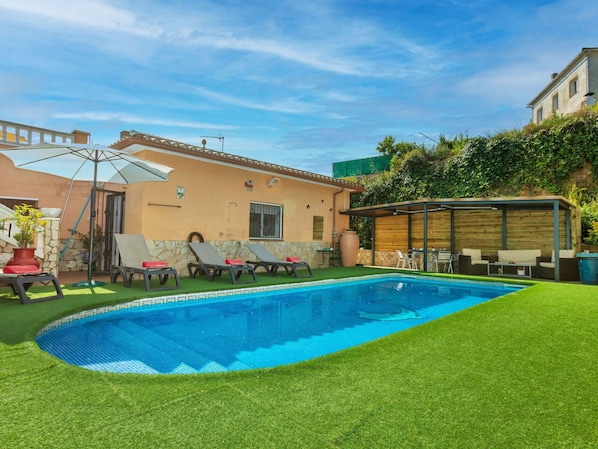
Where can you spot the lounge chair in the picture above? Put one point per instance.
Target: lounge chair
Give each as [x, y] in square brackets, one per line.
[136, 259]
[271, 264]
[21, 277]
[212, 264]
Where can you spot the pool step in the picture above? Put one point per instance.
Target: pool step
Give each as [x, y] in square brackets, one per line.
[172, 347]
[88, 348]
[138, 351]
[220, 361]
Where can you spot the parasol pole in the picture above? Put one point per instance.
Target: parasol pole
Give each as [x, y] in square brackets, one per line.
[92, 216]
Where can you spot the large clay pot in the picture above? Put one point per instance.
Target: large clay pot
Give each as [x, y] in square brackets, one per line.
[23, 256]
[349, 245]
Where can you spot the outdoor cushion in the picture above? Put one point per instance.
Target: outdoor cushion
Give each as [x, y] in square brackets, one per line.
[21, 269]
[564, 254]
[519, 255]
[234, 261]
[154, 264]
[293, 259]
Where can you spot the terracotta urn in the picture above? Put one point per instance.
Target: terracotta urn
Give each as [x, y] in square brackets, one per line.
[349, 245]
[23, 256]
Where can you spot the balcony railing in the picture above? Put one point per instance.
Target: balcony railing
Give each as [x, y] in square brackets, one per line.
[18, 134]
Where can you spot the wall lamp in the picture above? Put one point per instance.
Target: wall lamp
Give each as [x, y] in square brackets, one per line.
[273, 182]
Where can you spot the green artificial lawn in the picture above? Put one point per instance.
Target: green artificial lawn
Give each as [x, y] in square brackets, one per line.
[520, 371]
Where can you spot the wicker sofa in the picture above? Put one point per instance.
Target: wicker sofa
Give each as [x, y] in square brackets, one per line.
[568, 268]
[471, 261]
[521, 256]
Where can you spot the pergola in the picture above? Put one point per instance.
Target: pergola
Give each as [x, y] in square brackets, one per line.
[556, 204]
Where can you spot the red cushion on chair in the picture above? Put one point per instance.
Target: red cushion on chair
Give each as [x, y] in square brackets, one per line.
[234, 261]
[154, 264]
[293, 259]
[21, 269]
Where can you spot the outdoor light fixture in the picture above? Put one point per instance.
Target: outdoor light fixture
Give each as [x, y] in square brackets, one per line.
[273, 182]
[590, 98]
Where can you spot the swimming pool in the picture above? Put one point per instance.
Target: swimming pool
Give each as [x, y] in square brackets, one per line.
[256, 327]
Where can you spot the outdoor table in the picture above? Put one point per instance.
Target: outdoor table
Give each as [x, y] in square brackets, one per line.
[500, 267]
[329, 255]
[432, 258]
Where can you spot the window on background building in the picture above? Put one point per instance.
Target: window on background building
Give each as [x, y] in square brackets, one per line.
[555, 102]
[265, 221]
[539, 115]
[573, 86]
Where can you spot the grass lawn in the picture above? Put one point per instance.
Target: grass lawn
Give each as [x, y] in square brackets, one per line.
[519, 371]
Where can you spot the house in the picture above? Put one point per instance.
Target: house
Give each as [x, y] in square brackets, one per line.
[211, 195]
[569, 90]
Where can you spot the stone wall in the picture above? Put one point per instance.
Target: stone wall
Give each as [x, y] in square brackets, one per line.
[177, 253]
[383, 258]
[51, 238]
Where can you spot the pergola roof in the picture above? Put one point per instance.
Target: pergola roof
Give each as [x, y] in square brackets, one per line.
[505, 204]
[440, 204]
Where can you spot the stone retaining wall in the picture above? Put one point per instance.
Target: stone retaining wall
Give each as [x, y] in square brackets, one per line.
[383, 258]
[177, 253]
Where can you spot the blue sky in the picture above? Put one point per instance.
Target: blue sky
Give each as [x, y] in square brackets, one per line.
[297, 83]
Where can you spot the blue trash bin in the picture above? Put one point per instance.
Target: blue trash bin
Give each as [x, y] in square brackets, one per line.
[588, 268]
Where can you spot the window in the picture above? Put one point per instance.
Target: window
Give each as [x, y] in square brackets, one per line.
[265, 221]
[573, 86]
[318, 227]
[539, 115]
[555, 102]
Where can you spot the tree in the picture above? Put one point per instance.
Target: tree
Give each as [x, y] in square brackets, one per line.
[387, 145]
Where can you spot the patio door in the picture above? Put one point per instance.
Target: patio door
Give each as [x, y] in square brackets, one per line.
[115, 218]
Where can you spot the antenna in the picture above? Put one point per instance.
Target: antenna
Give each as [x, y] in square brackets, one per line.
[220, 138]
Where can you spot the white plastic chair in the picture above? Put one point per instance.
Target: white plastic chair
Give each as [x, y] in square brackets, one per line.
[405, 260]
[445, 258]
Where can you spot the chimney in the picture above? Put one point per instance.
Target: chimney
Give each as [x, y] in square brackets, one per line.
[80, 136]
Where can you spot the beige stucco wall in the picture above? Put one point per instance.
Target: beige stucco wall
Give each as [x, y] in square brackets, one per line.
[217, 202]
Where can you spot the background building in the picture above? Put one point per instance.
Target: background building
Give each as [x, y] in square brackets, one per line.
[570, 89]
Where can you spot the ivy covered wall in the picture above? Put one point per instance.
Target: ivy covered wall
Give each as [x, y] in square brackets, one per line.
[557, 157]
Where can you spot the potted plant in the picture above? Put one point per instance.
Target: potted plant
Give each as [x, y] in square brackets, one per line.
[30, 222]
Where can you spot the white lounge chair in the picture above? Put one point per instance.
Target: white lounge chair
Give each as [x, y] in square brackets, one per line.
[135, 258]
[271, 263]
[212, 264]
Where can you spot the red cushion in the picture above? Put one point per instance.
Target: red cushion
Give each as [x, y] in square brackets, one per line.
[21, 269]
[154, 264]
[293, 259]
[234, 261]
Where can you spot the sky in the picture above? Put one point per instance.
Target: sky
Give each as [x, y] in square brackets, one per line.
[302, 84]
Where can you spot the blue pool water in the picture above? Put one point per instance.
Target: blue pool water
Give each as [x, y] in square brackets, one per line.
[258, 329]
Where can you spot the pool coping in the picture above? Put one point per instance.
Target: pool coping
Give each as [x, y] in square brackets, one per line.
[169, 299]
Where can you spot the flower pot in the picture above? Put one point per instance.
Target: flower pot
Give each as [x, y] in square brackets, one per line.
[23, 256]
[520, 272]
[349, 245]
